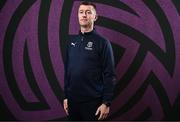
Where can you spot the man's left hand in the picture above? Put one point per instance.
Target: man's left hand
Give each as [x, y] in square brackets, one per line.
[103, 110]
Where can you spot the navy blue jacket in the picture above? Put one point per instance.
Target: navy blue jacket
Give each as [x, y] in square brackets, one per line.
[89, 68]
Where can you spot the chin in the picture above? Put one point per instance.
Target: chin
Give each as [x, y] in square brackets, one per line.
[83, 25]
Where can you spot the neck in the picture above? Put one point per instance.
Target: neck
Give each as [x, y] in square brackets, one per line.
[86, 29]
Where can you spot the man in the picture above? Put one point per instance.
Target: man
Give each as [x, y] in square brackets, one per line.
[89, 70]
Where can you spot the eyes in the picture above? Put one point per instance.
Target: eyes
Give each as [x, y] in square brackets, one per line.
[88, 12]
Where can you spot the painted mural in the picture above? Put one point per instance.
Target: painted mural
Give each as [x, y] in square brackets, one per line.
[145, 36]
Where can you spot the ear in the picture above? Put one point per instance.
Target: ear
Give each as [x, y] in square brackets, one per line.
[96, 17]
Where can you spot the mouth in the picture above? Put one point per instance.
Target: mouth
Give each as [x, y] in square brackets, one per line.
[83, 20]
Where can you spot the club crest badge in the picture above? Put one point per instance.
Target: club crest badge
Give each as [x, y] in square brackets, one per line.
[89, 46]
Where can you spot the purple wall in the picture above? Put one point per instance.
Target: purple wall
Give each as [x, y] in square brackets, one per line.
[145, 36]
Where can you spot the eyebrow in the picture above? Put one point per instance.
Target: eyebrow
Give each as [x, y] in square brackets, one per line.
[83, 10]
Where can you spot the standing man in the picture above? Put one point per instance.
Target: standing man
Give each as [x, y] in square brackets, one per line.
[89, 70]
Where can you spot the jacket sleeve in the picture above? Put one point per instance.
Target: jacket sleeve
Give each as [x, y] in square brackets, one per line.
[109, 75]
[66, 71]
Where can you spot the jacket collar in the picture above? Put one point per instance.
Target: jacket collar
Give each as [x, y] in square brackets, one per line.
[87, 33]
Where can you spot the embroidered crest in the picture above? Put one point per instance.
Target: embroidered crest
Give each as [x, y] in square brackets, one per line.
[89, 46]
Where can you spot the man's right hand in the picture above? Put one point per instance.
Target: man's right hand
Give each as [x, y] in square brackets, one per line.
[66, 106]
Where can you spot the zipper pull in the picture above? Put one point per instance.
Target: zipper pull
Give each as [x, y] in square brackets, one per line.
[82, 39]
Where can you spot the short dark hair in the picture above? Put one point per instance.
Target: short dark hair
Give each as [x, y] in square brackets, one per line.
[88, 3]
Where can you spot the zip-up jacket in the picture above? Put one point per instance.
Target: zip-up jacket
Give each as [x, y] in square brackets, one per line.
[89, 68]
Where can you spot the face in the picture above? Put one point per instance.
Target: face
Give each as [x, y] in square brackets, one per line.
[86, 15]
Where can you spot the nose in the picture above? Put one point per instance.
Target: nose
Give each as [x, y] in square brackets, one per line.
[84, 14]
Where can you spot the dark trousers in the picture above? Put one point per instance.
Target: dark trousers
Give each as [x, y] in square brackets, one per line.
[81, 111]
